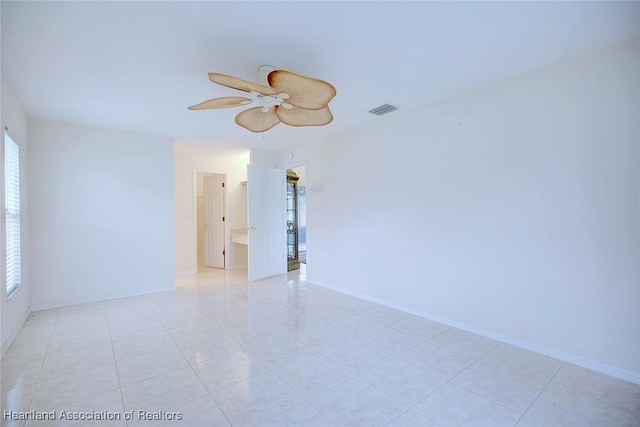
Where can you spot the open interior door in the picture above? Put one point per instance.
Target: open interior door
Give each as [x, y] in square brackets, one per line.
[266, 209]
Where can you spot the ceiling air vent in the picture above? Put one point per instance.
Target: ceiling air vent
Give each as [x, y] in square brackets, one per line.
[383, 109]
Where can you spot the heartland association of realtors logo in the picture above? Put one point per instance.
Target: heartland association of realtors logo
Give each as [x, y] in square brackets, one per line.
[139, 415]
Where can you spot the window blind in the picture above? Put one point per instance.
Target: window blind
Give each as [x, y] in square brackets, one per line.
[12, 212]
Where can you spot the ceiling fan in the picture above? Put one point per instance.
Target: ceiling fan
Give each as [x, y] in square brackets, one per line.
[290, 98]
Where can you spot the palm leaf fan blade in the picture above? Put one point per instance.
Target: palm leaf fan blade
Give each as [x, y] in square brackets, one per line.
[224, 102]
[255, 120]
[240, 84]
[303, 117]
[304, 92]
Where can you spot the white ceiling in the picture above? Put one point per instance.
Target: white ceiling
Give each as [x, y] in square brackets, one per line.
[138, 65]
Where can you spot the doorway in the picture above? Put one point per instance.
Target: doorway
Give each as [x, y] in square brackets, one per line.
[297, 252]
[210, 220]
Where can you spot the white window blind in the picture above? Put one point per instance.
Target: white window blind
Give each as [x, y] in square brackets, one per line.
[12, 212]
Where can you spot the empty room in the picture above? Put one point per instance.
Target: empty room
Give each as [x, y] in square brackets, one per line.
[320, 213]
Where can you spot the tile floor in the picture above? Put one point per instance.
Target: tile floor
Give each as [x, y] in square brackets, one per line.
[281, 352]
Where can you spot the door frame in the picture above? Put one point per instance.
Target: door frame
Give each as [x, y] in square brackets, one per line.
[194, 231]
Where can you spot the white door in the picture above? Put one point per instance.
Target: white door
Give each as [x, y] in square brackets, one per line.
[266, 209]
[214, 221]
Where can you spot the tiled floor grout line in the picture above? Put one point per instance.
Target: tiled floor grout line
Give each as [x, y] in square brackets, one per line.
[358, 375]
[308, 398]
[115, 361]
[440, 386]
[195, 371]
[38, 379]
[447, 381]
[304, 400]
[540, 393]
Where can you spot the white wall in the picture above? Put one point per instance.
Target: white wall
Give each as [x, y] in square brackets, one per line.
[14, 311]
[190, 158]
[514, 211]
[302, 175]
[101, 200]
[267, 158]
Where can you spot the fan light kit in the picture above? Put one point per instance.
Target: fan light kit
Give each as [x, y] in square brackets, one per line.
[290, 98]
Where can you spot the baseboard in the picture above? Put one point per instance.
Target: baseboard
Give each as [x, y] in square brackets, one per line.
[614, 371]
[237, 267]
[74, 303]
[14, 333]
